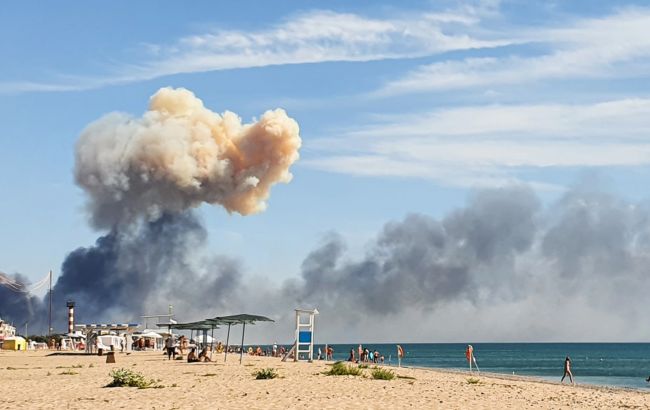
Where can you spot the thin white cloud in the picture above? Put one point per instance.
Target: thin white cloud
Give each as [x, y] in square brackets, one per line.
[315, 37]
[487, 145]
[617, 45]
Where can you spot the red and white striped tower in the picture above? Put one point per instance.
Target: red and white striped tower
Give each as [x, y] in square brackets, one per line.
[70, 305]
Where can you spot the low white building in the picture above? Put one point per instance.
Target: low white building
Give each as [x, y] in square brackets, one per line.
[6, 330]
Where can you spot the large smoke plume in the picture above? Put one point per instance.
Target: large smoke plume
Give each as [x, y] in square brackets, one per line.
[504, 267]
[179, 155]
[143, 176]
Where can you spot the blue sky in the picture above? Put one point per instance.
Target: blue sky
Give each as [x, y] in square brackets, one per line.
[402, 108]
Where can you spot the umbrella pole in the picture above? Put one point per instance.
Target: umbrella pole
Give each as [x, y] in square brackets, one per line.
[211, 341]
[227, 339]
[241, 353]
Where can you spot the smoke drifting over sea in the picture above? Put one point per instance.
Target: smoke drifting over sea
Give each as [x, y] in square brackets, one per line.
[503, 267]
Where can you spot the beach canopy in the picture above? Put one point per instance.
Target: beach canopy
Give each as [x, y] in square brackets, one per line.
[240, 319]
[199, 325]
[151, 334]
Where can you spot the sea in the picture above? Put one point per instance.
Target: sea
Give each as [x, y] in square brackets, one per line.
[603, 364]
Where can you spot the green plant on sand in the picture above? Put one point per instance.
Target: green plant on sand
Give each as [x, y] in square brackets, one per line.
[69, 372]
[129, 378]
[473, 380]
[382, 374]
[342, 369]
[265, 374]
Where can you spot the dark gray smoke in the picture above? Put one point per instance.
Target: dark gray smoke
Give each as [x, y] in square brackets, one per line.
[144, 269]
[422, 262]
[18, 307]
[502, 268]
[136, 270]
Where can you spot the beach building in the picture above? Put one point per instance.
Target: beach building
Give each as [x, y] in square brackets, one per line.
[6, 331]
[14, 343]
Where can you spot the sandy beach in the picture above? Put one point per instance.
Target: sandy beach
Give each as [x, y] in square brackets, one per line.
[34, 380]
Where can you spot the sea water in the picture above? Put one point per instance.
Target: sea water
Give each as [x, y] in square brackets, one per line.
[605, 364]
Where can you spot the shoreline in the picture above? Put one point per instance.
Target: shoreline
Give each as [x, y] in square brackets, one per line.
[521, 377]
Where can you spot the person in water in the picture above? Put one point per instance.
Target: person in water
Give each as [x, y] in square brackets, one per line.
[567, 370]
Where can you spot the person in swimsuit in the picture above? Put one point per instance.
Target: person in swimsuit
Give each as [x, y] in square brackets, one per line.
[191, 356]
[567, 370]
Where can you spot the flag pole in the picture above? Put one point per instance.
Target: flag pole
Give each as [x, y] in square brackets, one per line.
[49, 330]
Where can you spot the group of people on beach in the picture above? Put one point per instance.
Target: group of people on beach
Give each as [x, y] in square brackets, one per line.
[364, 355]
[192, 357]
[202, 357]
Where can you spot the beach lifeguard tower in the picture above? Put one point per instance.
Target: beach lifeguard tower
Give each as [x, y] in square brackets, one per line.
[304, 345]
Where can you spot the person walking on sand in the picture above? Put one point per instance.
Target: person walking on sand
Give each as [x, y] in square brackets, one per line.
[567, 370]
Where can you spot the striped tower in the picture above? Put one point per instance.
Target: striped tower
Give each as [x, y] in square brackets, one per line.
[70, 305]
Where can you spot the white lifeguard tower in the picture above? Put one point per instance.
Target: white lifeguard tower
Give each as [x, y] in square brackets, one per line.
[304, 345]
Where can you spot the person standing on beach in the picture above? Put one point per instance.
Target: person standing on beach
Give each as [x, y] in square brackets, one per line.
[351, 358]
[567, 370]
[171, 349]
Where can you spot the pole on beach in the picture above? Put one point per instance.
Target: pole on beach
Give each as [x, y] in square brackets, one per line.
[49, 329]
[227, 340]
[211, 341]
[241, 353]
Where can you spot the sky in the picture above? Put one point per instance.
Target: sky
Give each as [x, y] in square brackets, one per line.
[411, 109]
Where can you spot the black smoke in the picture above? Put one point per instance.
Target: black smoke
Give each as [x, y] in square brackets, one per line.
[504, 263]
[18, 306]
[422, 261]
[575, 269]
[132, 271]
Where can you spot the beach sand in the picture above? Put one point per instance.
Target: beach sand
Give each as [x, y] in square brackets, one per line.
[33, 380]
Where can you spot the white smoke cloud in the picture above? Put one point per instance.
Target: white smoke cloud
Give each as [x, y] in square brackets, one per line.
[180, 154]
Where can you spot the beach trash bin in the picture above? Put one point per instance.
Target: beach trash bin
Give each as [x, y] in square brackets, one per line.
[110, 357]
[100, 351]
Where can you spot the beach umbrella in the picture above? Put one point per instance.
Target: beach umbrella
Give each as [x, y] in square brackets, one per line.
[243, 319]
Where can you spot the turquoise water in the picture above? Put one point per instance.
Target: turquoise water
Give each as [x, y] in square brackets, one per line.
[606, 364]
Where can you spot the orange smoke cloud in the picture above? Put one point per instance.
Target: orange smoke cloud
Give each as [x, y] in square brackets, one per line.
[180, 154]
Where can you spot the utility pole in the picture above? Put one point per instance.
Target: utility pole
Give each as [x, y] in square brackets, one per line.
[49, 330]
